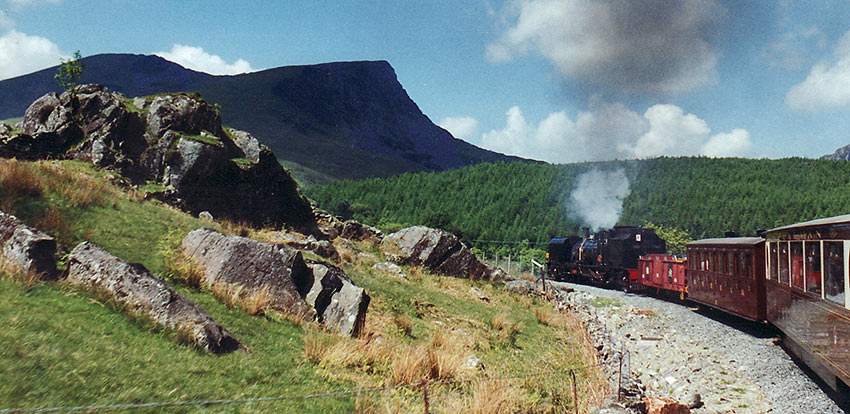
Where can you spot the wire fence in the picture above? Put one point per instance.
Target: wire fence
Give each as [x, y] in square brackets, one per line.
[421, 387]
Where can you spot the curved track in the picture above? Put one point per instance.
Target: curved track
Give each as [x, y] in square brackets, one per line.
[678, 350]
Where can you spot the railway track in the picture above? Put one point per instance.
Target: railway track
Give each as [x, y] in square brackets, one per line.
[677, 351]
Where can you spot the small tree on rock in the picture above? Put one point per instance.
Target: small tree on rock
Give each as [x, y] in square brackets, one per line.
[69, 74]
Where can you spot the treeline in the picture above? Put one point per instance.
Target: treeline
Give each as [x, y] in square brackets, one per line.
[491, 204]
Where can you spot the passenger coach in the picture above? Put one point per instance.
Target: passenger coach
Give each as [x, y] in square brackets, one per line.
[807, 279]
[728, 274]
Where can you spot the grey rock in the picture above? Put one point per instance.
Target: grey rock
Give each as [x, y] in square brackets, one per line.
[205, 215]
[182, 113]
[340, 304]
[248, 144]
[390, 268]
[298, 241]
[354, 230]
[274, 277]
[27, 249]
[522, 287]
[141, 294]
[439, 251]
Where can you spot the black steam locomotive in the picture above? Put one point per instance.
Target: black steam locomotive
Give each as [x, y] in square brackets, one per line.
[609, 257]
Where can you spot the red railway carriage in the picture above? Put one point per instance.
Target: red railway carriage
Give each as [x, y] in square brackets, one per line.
[807, 277]
[728, 274]
[662, 271]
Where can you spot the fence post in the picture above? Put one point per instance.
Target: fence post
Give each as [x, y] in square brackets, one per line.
[575, 393]
[425, 394]
[620, 377]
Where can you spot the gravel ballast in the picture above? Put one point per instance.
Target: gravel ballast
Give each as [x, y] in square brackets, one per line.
[676, 352]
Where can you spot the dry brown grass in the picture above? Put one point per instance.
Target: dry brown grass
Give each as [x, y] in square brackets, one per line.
[242, 228]
[440, 359]
[507, 330]
[52, 222]
[404, 323]
[181, 268]
[20, 178]
[544, 315]
[493, 397]
[31, 179]
[25, 278]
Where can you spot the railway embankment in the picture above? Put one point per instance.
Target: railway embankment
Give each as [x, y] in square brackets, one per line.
[710, 362]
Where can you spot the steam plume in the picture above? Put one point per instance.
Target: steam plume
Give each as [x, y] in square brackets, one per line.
[597, 198]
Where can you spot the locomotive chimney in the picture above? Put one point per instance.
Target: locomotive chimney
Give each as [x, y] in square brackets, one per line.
[585, 232]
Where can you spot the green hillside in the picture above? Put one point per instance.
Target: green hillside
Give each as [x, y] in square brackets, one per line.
[62, 347]
[522, 201]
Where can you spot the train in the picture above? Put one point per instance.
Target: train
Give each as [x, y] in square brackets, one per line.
[795, 277]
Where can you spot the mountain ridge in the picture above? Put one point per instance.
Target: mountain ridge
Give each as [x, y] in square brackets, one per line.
[340, 119]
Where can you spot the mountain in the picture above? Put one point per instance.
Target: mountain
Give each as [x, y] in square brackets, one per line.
[326, 122]
[842, 153]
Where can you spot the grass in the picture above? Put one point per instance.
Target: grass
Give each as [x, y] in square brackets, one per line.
[600, 302]
[62, 347]
[243, 161]
[206, 138]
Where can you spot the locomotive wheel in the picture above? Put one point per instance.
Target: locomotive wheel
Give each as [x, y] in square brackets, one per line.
[623, 282]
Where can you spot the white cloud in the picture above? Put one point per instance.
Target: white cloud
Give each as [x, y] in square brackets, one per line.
[648, 46]
[671, 132]
[22, 54]
[612, 131]
[733, 144]
[196, 58]
[828, 83]
[463, 127]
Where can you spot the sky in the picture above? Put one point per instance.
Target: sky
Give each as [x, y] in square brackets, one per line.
[555, 80]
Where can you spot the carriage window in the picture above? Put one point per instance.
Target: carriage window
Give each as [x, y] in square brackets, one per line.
[773, 272]
[797, 264]
[724, 264]
[833, 266]
[736, 264]
[746, 262]
[813, 267]
[783, 263]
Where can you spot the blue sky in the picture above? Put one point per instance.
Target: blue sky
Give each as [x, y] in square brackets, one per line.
[558, 80]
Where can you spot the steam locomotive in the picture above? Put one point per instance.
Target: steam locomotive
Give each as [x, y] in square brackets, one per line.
[609, 257]
[795, 277]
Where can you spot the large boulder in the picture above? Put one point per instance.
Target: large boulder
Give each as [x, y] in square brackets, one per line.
[27, 249]
[439, 251]
[176, 140]
[269, 277]
[141, 294]
[340, 304]
[281, 276]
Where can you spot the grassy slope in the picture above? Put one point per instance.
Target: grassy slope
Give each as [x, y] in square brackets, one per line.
[60, 347]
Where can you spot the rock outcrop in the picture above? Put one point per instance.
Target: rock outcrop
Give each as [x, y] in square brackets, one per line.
[269, 277]
[176, 140]
[141, 294]
[439, 251]
[333, 227]
[340, 304]
[27, 249]
[278, 275]
[308, 243]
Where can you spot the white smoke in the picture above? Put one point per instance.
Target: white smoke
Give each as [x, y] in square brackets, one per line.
[597, 198]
